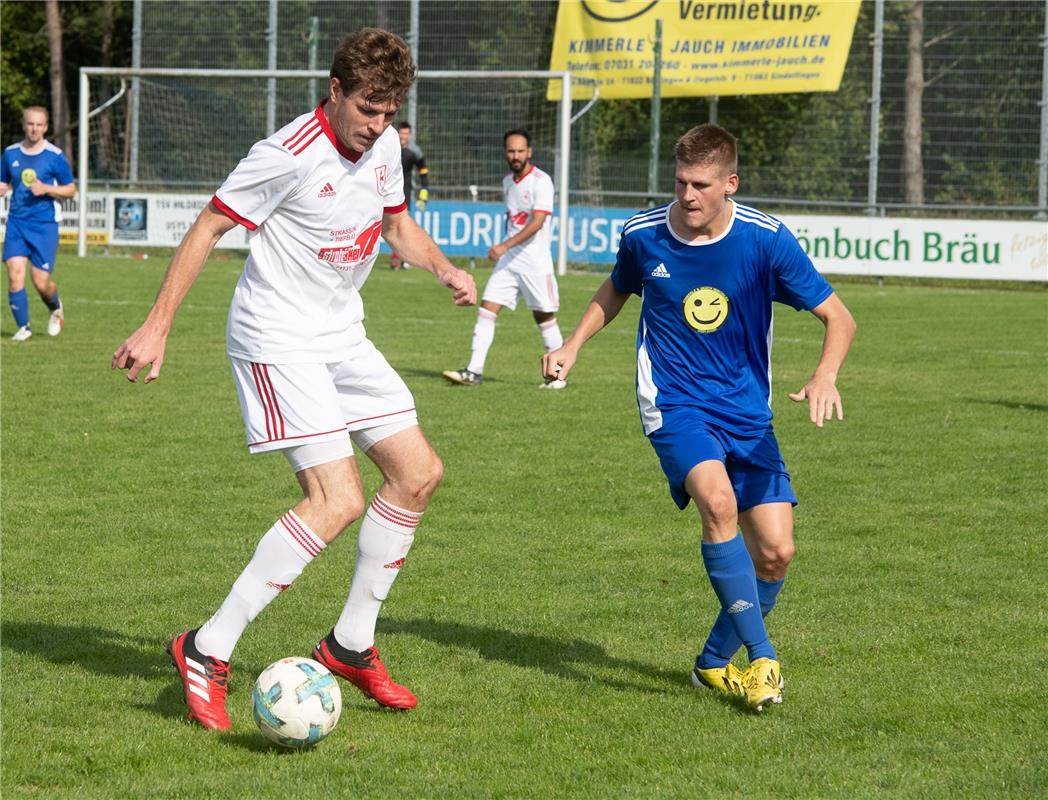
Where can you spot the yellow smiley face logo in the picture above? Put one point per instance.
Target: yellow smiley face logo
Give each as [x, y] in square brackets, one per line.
[705, 309]
[28, 176]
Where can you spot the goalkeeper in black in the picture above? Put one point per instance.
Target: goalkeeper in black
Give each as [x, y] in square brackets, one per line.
[411, 159]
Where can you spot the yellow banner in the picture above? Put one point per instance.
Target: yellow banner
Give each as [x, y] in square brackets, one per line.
[708, 48]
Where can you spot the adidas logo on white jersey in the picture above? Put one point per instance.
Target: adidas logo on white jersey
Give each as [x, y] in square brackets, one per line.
[739, 606]
[660, 271]
[327, 191]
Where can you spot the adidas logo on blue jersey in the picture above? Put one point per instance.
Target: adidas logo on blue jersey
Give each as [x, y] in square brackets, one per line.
[660, 271]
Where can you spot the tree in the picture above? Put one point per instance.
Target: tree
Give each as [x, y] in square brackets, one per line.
[912, 167]
[59, 98]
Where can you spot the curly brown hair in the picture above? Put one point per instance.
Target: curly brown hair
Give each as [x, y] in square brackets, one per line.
[708, 144]
[377, 61]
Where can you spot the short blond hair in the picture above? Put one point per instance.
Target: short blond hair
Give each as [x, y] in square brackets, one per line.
[41, 109]
[708, 144]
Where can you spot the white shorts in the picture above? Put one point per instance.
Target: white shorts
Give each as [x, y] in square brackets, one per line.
[505, 287]
[287, 405]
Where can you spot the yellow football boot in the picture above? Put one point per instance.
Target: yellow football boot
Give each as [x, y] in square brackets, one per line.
[727, 679]
[762, 683]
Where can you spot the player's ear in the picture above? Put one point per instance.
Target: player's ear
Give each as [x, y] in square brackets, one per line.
[335, 89]
[732, 185]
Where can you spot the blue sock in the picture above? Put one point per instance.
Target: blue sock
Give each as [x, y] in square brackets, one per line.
[19, 307]
[723, 642]
[735, 583]
[54, 303]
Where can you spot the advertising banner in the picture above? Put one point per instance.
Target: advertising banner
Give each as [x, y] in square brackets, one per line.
[708, 48]
[841, 245]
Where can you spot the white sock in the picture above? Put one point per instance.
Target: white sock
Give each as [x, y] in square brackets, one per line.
[280, 557]
[483, 336]
[551, 338]
[385, 537]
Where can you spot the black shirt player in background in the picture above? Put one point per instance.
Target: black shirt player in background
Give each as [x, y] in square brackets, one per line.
[411, 159]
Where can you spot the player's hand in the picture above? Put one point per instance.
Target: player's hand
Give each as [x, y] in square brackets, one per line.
[556, 364]
[3, 189]
[38, 188]
[423, 198]
[144, 347]
[495, 252]
[823, 399]
[463, 288]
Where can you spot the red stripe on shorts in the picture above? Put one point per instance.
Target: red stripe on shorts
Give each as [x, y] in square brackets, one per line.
[274, 419]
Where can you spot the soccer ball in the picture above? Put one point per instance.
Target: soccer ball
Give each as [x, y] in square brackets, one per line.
[296, 702]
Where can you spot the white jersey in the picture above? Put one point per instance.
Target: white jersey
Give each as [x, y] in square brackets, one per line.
[314, 211]
[531, 193]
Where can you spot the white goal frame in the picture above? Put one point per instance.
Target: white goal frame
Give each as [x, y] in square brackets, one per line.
[564, 122]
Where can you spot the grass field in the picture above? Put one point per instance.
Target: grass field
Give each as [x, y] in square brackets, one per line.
[555, 598]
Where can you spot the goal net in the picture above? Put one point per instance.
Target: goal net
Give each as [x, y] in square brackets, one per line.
[183, 130]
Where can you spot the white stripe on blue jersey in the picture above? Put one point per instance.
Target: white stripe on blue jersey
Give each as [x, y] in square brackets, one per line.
[747, 214]
[653, 216]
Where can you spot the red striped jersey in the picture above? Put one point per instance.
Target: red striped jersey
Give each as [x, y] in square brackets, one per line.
[314, 210]
[531, 193]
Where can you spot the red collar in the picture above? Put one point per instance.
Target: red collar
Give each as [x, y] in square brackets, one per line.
[343, 151]
[525, 174]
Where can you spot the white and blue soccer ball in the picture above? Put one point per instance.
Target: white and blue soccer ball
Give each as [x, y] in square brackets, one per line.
[296, 702]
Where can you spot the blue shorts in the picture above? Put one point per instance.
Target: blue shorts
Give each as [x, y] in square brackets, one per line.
[37, 241]
[754, 464]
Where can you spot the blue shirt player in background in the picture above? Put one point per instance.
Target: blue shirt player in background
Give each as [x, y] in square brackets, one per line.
[37, 175]
[707, 270]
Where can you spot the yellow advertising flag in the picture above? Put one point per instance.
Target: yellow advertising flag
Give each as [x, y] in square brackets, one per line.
[724, 48]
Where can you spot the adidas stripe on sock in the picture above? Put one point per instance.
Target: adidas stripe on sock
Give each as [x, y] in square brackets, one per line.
[386, 535]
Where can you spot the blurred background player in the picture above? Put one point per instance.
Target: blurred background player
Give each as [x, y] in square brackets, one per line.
[524, 265]
[38, 175]
[708, 270]
[315, 196]
[411, 159]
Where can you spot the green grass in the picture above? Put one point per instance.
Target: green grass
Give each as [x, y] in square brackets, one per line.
[555, 597]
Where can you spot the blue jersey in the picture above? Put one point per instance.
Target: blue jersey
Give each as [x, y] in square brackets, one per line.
[20, 170]
[704, 339]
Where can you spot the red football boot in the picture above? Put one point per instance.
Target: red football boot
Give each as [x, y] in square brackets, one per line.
[364, 670]
[204, 681]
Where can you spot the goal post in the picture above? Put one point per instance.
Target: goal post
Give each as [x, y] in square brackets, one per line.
[496, 96]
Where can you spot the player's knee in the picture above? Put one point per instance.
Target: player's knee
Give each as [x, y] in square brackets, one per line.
[773, 560]
[343, 507]
[429, 478]
[718, 509]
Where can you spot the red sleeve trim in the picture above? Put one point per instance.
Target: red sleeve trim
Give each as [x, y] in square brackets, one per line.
[542, 211]
[395, 209]
[233, 215]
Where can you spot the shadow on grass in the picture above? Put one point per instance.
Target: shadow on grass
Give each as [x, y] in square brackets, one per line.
[107, 653]
[1014, 405]
[570, 659]
[438, 374]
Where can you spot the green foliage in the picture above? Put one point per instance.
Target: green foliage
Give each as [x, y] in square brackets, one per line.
[554, 599]
[93, 34]
[23, 65]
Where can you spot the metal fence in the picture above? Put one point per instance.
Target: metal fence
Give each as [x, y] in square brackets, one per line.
[983, 127]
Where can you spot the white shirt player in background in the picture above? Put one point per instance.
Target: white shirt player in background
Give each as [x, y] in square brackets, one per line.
[524, 265]
[315, 196]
